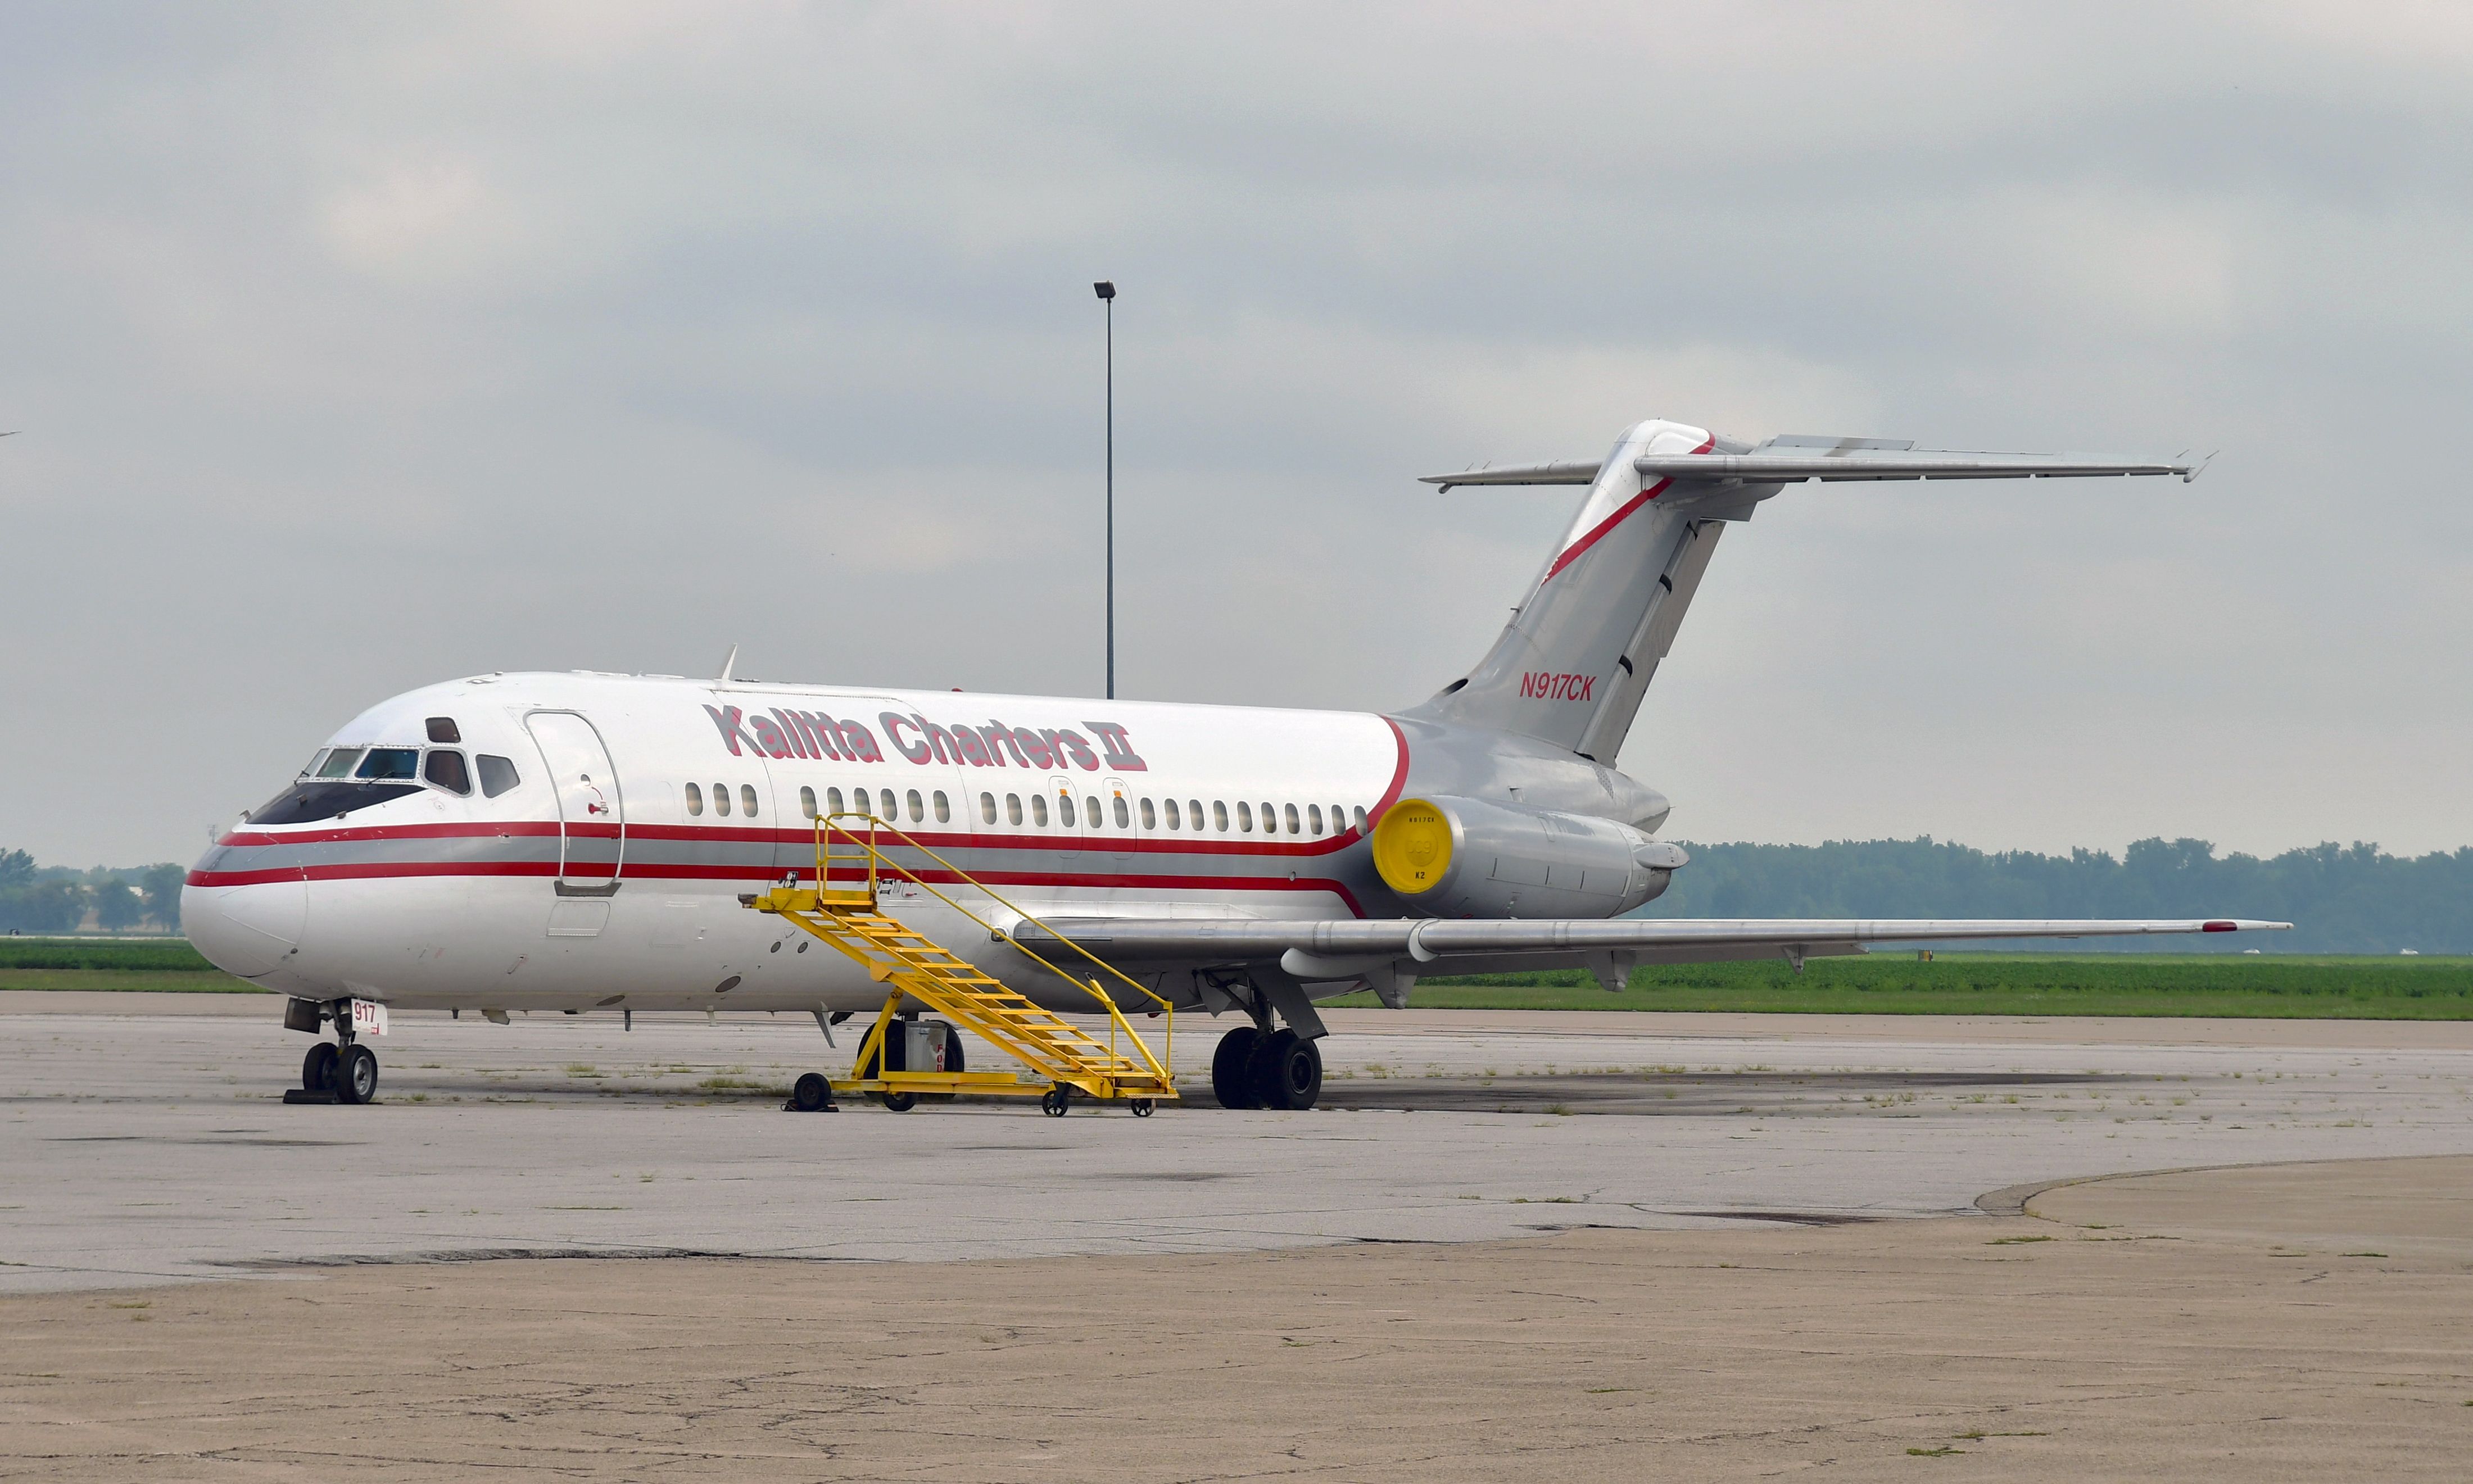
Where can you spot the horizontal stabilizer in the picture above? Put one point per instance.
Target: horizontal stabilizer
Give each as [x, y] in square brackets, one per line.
[1848, 459]
[1581, 473]
[1770, 468]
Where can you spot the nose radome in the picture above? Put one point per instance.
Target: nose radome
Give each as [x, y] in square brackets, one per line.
[245, 930]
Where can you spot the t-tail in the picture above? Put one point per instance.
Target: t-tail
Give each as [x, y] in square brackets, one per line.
[1575, 663]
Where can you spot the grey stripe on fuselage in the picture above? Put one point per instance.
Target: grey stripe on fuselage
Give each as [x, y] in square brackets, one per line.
[759, 859]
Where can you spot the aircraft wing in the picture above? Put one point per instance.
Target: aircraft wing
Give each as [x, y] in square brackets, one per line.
[1323, 951]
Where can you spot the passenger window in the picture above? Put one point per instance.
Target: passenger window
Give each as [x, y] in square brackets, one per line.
[1219, 814]
[442, 729]
[1150, 816]
[1172, 822]
[833, 801]
[389, 763]
[446, 770]
[1065, 810]
[1039, 811]
[917, 811]
[1090, 813]
[721, 799]
[1013, 809]
[1244, 817]
[1288, 813]
[806, 802]
[1360, 822]
[884, 809]
[339, 763]
[1125, 815]
[1270, 820]
[944, 810]
[498, 774]
[987, 809]
[1193, 812]
[695, 800]
[746, 799]
[1313, 818]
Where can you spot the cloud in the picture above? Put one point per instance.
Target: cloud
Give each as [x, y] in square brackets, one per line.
[357, 349]
[418, 221]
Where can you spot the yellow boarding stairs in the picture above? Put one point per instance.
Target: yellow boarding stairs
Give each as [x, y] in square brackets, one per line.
[1061, 1057]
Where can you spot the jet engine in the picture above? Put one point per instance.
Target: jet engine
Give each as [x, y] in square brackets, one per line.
[1469, 857]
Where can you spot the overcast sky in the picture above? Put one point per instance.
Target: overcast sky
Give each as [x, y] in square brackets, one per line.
[357, 348]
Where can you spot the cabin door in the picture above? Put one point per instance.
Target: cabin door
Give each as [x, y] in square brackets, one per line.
[591, 809]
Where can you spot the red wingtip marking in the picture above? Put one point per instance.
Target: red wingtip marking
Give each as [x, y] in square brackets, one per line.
[2219, 927]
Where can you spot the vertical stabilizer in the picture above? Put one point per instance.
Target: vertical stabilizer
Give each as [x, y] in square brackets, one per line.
[1575, 661]
[1576, 658]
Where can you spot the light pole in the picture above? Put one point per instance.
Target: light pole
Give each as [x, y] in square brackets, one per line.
[1107, 293]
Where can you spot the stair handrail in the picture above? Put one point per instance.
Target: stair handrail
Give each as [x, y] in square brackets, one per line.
[827, 828]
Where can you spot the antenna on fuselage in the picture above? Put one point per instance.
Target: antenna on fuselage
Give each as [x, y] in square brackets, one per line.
[731, 663]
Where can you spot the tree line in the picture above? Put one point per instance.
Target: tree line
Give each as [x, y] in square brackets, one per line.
[59, 899]
[2340, 899]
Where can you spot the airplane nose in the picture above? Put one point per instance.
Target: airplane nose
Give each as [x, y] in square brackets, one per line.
[245, 930]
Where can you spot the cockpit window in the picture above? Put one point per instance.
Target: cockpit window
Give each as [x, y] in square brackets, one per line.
[309, 770]
[498, 774]
[389, 762]
[319, 799]
[445, 768]
[339, 763]
[442, 729]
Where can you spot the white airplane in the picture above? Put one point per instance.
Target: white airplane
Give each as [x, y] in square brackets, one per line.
[584, 842]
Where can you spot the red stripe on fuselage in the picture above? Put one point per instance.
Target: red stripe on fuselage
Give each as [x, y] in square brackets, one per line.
[1399, 780]
[365, 871]
[1598, 532]
[937, 839]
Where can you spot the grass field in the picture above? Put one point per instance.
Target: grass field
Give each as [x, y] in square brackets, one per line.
[2089, 984]
[156, 963]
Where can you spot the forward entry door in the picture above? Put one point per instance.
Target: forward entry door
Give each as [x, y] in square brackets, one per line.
[591, 809]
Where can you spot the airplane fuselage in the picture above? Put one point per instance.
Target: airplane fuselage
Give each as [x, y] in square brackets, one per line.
[574, 841]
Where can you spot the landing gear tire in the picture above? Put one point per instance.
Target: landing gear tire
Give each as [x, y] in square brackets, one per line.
[1056, 1101]
[318, 1067]
[900, 1101]
[1231, 1081]
[1263, 1072]
[1138, 1107]
[356, 1075]
[1287, 1072]
[812, 1092]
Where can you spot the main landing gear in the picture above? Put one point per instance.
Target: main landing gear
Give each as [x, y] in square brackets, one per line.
[1282, 1069]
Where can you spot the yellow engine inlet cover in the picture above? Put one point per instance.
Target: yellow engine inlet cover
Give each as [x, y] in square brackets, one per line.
[1412, 847]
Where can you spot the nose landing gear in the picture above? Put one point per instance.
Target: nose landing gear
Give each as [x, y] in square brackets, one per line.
[332, 1073]
[318, 1067]
[356, 1079]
